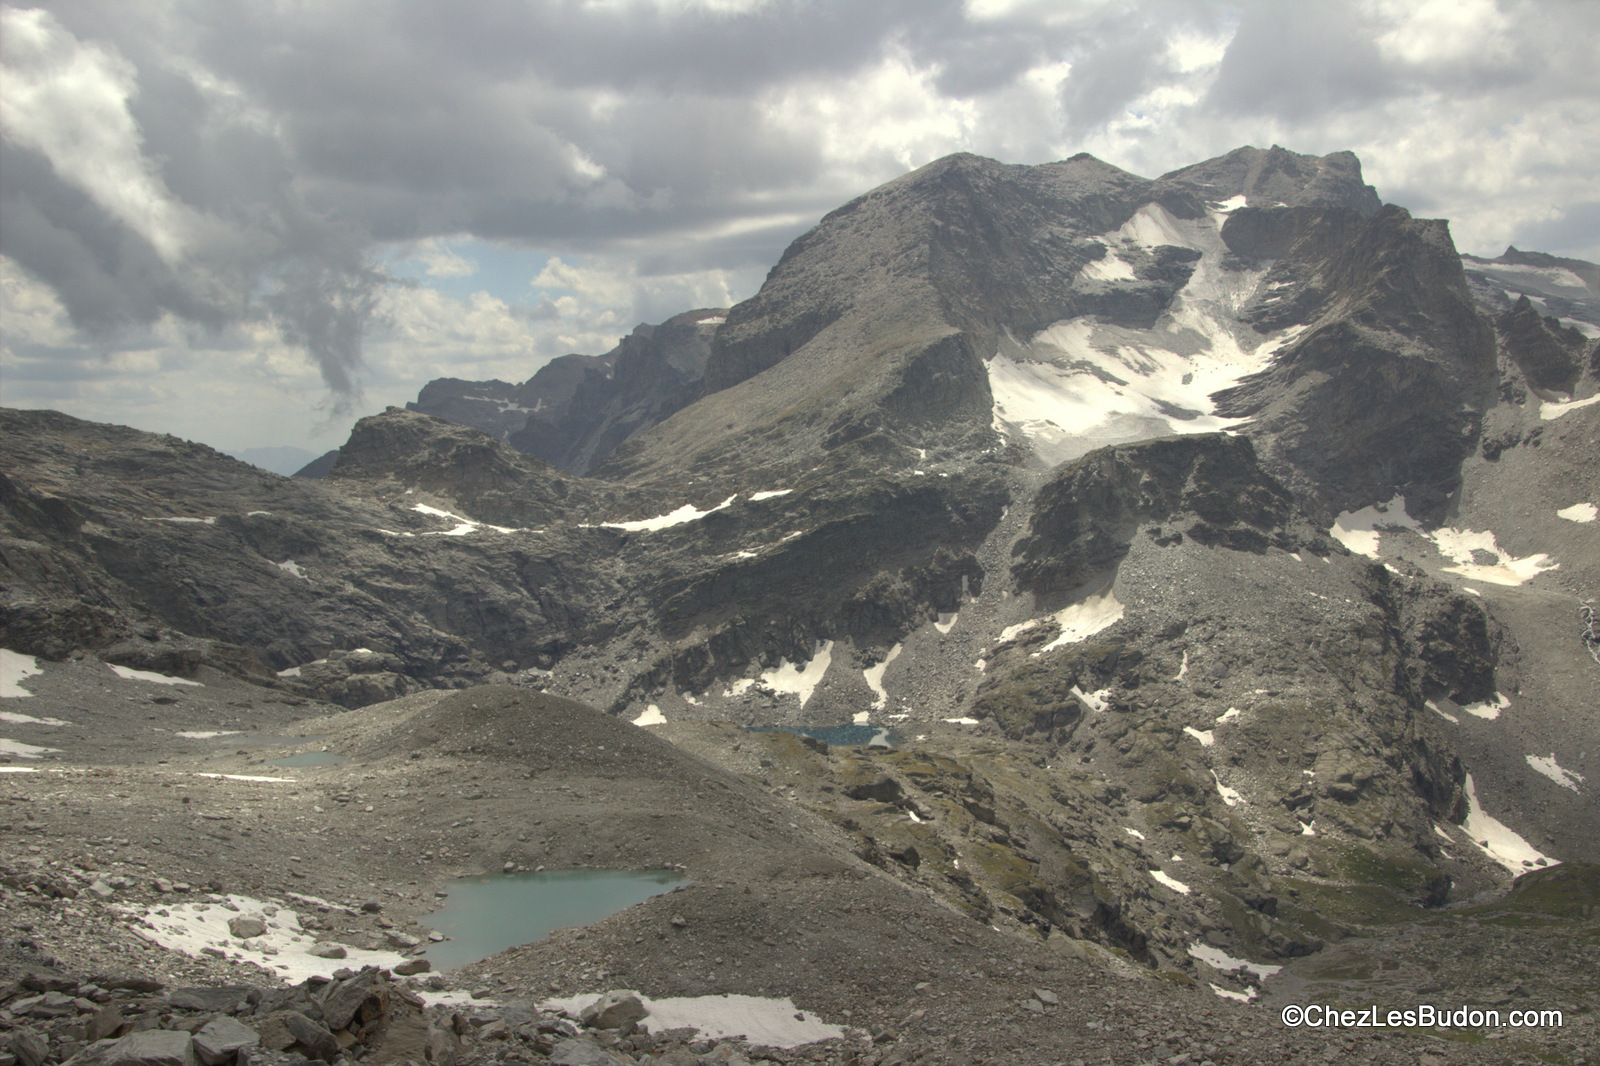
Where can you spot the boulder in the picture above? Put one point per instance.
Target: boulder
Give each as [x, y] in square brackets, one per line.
[153, 1047]
[613, 1010]
[245, 928]
[578, 1053]
[220, 1039]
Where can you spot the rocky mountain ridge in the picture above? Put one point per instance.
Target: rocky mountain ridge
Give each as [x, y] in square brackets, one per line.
[1204, 556]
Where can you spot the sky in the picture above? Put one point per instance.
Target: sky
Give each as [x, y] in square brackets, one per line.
[250, 223]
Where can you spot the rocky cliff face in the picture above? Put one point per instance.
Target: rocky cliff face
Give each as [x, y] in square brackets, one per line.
[1382, 390]
[576, 409]
[1204, 553]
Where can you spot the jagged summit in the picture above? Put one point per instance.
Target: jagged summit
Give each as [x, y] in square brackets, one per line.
[1278, 177]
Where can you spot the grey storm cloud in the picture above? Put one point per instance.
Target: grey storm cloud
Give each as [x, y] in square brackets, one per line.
[289, 142]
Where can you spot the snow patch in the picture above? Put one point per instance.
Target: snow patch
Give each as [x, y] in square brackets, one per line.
[1489, 709]
[1081, 620]
[1229, 715]
[1460, 544]
[760, 1020]
[1171, 882]
[1133, 833]
[284, 950]
[1080, 384]
[757, 497]
[463, 526]
[1093, 702]
[21, 750]
[128, 673]
[861, 718]
[1434, 707]
[798, 680]
[1230, 796]
[15, 668]
[28, 719]
[962, 721]
[652, 716]
[1218, 959]
[1579, 512]
[739, 687]
[687, 513]
[1358, 530]
[1110, 267]
[1549, 768]
[1242, 997]
[1183, 667]
[947, 621]
[292, 568]
[206, 734]
[1549, 412]
[1206, 737]
[1497, 840]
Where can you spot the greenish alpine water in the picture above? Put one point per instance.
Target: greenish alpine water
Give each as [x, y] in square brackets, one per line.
[498, 911]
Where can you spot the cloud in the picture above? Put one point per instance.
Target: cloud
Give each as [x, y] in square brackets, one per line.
[138, 195]
[68, 101]
[226, 179]
[440, 262]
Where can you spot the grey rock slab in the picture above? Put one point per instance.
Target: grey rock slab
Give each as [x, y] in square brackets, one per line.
[153, 1047]
[104, 1023]
[221, 1038]
[318, 1042]
[344, 1000]
[221, 998]
[29, 1047]
[327, 950]
[579, 1053]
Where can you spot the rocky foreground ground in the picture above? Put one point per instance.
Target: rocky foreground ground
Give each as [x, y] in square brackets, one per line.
[783, 900]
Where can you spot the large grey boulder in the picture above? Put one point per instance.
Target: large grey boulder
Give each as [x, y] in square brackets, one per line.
[613, 1010]
[220, 1039]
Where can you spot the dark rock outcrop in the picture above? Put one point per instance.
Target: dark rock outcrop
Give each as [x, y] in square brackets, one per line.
[1384, 392]
[1549, 354]
[1207, 487]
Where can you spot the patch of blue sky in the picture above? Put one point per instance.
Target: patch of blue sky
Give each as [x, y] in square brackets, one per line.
[460, 267]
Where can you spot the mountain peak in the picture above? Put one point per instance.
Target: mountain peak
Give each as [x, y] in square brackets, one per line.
[1277, 176]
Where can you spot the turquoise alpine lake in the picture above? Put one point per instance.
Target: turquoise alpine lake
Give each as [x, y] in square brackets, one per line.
[494, 912]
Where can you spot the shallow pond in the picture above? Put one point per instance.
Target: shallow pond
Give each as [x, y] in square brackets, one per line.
[309, 758]
[844, 736]
[498, 911]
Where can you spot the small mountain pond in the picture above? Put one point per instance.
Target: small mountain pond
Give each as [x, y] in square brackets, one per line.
[494, 912]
